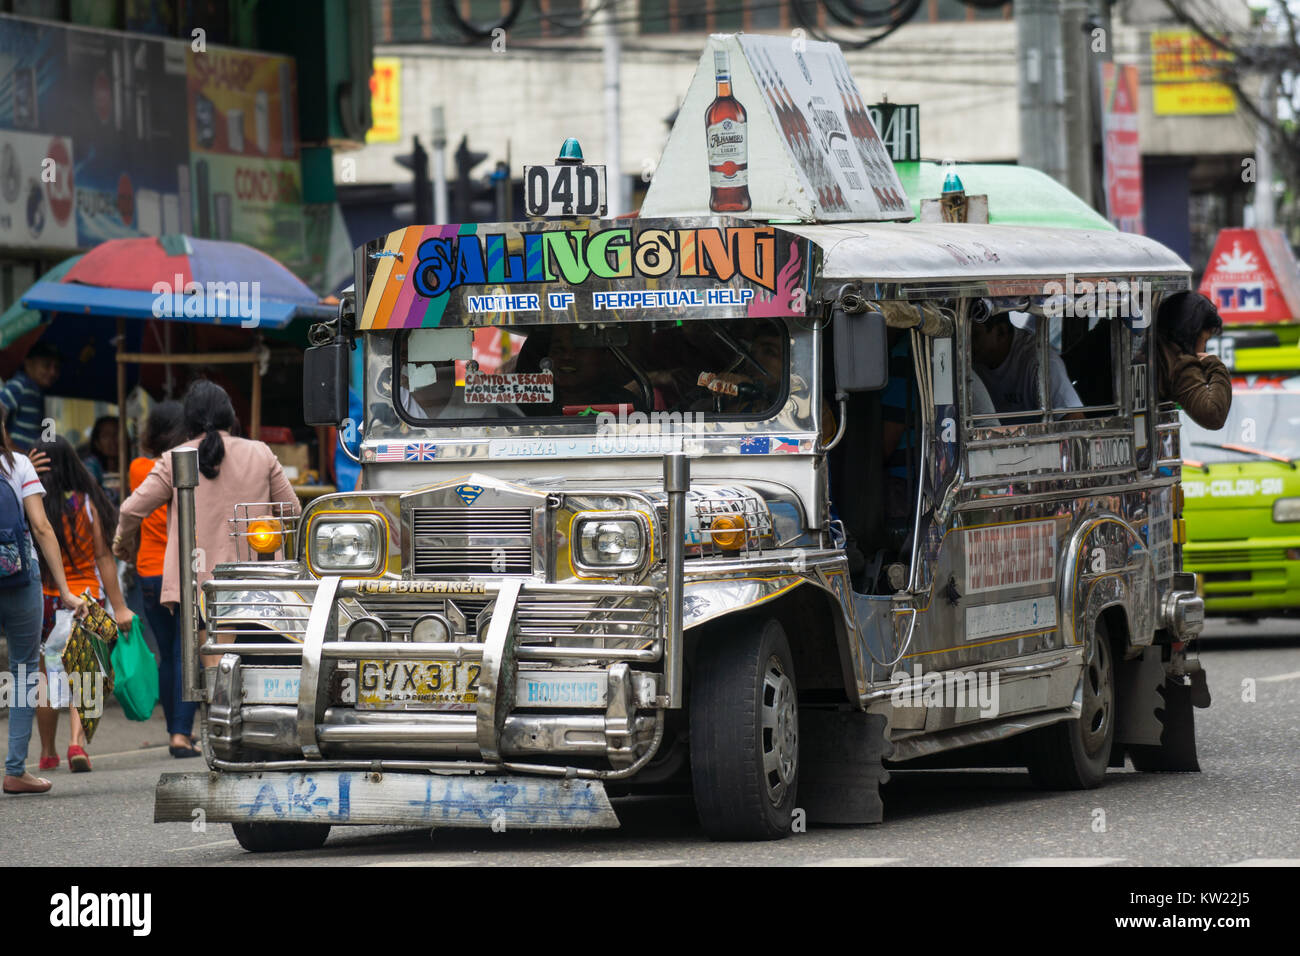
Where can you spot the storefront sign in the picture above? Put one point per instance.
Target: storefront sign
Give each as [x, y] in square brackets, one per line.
[1253, 277]
[1184, 73]
[385, 100]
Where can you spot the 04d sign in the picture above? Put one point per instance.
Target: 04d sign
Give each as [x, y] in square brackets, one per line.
[572, 189]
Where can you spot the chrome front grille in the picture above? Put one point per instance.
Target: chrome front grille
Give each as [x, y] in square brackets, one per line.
[472, 540]
[572, 620]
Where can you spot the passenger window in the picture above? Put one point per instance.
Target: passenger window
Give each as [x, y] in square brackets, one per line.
[1003, 384]
[1089, 349]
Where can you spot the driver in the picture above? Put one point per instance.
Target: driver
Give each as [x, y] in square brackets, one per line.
[586, 376]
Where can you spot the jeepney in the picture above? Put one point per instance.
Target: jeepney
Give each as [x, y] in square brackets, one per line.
[707, 504]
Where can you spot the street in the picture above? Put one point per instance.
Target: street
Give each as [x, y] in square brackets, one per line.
[1242, 809]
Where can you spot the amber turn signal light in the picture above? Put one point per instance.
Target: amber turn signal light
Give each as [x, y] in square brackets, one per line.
[729, 532]
[265, 535]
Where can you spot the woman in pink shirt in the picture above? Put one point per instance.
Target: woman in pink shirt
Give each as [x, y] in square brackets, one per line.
[231, 470]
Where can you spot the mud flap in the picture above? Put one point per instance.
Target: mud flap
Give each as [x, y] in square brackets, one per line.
[1176, 752]
[1137, 699]
[841, 756]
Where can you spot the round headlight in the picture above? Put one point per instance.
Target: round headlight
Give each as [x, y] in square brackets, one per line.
[367, 629]
[431, 629]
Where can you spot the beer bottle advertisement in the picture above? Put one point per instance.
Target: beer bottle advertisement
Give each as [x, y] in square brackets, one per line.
[726, 132]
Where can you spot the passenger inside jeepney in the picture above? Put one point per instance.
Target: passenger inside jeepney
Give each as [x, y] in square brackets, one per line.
[592, 369]
[1006, 359]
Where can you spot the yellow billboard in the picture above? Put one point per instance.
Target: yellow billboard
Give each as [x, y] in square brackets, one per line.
[1184, 67]
[385, 100]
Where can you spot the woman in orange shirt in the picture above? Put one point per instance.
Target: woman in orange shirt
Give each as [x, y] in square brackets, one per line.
[80, 513]
[164, 429]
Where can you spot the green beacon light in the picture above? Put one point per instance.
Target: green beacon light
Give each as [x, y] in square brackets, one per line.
[570, 152]
[952, 183]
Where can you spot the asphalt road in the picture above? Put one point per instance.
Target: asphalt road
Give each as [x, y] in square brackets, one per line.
[1241, 809]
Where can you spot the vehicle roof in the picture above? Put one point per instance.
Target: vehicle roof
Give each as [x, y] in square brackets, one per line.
[1018, 195]
[903, 252]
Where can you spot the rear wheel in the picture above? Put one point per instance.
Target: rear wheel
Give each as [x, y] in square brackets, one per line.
[273, 837]
[745, 734]
[1073, 754]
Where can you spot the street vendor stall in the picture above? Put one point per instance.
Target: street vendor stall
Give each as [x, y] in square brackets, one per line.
[180, 279]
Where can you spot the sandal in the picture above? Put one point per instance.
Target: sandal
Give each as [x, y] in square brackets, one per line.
[50, 763]
[180, 753]
[16, 785]
[78, 762]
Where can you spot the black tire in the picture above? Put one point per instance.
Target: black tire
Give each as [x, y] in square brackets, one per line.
[745, 733]
[273, 837]
[1074, 754]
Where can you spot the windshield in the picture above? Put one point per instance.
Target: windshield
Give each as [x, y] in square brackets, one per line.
[728, 368]
[1259, 421]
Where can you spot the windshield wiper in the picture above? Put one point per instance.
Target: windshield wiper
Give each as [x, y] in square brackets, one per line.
[1248, 450]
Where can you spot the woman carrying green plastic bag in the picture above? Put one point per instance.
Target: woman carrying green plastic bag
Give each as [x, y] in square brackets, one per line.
[135, 674]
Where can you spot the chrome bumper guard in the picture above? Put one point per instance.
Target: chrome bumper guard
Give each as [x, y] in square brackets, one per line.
[356, 797]
[596, 622]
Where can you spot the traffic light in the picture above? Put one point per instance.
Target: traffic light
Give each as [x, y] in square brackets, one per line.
[473, 201]
[417, 161]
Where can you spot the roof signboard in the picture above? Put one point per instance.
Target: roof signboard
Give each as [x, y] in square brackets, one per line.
[775, 128]
[554, 271]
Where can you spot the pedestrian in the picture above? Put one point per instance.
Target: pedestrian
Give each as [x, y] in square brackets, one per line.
[22, 398]
[1187, 373]
[79, 512]
[164, 429]
[21, 603]
[100, 458]
[231, 470]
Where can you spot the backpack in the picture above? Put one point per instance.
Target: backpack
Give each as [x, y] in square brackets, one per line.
[15, 569]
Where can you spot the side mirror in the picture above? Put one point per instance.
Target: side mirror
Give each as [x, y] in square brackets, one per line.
[861, 345]
[325, 384]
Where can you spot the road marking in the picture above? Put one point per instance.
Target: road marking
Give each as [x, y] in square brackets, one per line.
[203, 846]
[630, 861]
[856, 861]
[1265, 861]
[1069, 861]
[1279, 677]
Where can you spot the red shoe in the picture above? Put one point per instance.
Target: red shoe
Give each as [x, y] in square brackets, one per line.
[78, 762]
[50, 763]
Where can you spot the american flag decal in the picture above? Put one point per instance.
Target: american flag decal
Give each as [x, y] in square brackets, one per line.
[390, 453]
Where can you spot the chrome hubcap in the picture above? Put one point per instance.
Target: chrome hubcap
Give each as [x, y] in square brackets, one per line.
[1098, 696]
[780, 730]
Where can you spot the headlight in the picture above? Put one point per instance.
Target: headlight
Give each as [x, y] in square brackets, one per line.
[1286, 509]
[356, 544]
[608, 542]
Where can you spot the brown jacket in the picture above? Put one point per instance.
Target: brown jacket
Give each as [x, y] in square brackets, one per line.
[1200, 385]
[249, 472]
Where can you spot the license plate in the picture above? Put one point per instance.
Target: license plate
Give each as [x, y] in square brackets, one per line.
[395, 685]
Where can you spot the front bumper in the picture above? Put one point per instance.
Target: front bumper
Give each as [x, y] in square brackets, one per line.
[349, 797]
[605, 643]
[1247, 575]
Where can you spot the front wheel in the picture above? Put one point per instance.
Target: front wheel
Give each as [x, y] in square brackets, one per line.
[273, 837]
[745, 734]
[1073, 754]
